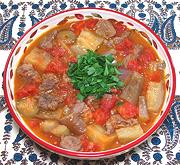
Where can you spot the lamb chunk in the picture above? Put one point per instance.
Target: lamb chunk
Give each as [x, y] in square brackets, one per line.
[79, 107]
[49, 82]
[28, 74]
[136, 53]
[48, 102]
[71, 143]
[116, 121]
[133, 89]
[47, 40]
[104, 28]
[74, 123]
[124, 35]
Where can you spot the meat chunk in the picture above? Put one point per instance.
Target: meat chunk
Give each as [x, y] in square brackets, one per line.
[47, 40]
[79, 107]
[48, 102]
[136, 53]
[74, 123]
[71, 143]
[155, 96]
[54, 115]
[133, 89]
[124, 35]
[104, 28]
[116, 121]
[49, 82]
[28, 74]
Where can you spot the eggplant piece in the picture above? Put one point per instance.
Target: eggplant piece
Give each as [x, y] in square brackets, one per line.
[28, 107]
[74, 123]
[143, 111]
[60, 130]
[128, 134]
[89, 40]
[38, 58]
[155, 96]
[133, 89]
[56, 115]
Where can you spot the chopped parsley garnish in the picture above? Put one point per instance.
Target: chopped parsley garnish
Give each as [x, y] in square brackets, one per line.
[94, 74]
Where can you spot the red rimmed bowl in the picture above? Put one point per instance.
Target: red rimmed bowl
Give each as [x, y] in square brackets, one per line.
[78, 14]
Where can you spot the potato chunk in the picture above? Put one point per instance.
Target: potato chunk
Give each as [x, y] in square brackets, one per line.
[49, 125]
[28, 107]
[155, 96]
[97, 134]
[89, 40]
[60, 130]
[38, 58]
[128, 134]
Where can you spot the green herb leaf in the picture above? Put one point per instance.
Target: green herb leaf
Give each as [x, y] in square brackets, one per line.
[94, 74]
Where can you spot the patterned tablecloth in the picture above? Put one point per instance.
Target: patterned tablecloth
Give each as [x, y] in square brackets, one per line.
[163, 16]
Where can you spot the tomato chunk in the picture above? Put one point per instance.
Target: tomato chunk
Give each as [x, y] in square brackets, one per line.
[57, 66]
[90, 23]
[78, 27]
[100, 116]
[33, 123]
[124, 45]
[128, 110]
[57, 51]
[108, 102]
[27, 90]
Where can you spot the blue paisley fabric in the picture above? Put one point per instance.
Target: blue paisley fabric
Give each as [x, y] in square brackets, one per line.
[163, 16]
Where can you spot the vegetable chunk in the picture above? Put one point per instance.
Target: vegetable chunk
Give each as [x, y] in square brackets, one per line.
[128, 134]
[132, 91]
[155, 96]
[38, 58]
[88, 40]
[96, 133]
[28, 107]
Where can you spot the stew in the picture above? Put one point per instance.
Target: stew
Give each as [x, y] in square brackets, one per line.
[90, 85]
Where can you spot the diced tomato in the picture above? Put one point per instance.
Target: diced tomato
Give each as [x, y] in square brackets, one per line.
[107, 103]
[57, 51]
[70, 99]
[27, 90]
[147, 56]
[33, 123]
[57, 66]
[128, 110]
[88, 146]
[116, 91]
[78, 27]
[120, 28]
[72, 59]
[135, 65]
[100, 116]
[126, 45]
[90, 23]
[155, 76]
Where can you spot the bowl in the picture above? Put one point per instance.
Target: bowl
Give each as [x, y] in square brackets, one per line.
[80, 14]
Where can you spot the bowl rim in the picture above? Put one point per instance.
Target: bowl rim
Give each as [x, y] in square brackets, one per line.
[100, 154]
